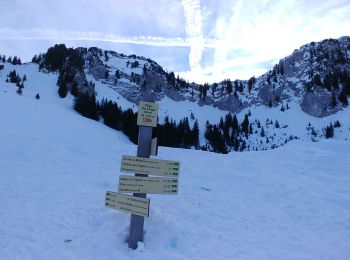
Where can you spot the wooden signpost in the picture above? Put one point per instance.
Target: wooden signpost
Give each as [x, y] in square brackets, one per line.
[141, 184]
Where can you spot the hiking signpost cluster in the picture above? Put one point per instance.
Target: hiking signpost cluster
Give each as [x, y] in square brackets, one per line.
[166, 182]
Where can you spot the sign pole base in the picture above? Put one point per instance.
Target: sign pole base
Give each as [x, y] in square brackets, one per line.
[137, 222]
[136, 228]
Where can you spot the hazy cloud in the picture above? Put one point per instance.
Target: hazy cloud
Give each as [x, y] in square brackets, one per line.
[216, 39]
[46, 34]
[193, 27]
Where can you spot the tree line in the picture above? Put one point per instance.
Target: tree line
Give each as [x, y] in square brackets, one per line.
[169, 133]
[228, 135]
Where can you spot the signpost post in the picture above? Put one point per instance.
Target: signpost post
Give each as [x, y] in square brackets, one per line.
[146, 119]
[140, 184]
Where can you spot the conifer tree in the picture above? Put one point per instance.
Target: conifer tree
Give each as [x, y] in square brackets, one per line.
[262, 132]
[329, 131]
[245, 125]
[86, 105]
[63, 90]
[337, 124]
[235, 126]
[343, 98]
[277, 125]
[195, 134]
[74, 89]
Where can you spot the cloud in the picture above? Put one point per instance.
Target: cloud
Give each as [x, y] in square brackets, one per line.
[193, 26]
[269, 30]
[47, 34]
[215, 39]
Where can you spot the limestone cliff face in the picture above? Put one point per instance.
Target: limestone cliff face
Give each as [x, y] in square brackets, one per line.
[317, 76]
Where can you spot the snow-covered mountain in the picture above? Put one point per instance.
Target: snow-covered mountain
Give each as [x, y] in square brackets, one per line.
[303, 97]
[310, 75]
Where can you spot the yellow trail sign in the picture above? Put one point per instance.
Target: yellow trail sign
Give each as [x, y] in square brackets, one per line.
[147, 114]
[151, 185]
[127, 203]
[140, 165]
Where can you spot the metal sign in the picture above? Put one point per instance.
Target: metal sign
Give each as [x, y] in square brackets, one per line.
[130, 204]
[147, 114]
[151, 185]
[140, 165]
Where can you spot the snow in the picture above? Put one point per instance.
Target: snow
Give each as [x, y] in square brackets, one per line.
[116, 62]
[106, 91]
[288, 203]
[177, 110]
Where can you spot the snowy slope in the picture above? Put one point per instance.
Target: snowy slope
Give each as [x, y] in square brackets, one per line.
[288, 203]
[293, 122]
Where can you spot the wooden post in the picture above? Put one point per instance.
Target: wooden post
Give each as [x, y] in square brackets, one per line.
[143, 150]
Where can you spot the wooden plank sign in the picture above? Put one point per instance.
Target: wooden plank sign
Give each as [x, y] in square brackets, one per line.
[127, 203]
[151, 185]
[140, 165]
[147, 114]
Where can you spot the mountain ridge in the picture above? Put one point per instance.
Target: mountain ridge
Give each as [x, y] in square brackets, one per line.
[298, 98]
[302, 75]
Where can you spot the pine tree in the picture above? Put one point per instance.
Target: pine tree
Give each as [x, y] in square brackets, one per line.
[277, 125]
[35, 59]
[317, 80]
[228, 121]
[228, 86]
[282, 108]
[251, 82]
[74, 89]
[258, 124]
[250, 129]
[63, 90]
[337, 124]
[270, 103]
[19, 91]
[329, 131]
[343, 98]
[86, 105]
[262, 132]
[235, 126]
[195, 134]
[213, 89]
[245, 125]
[15, 60]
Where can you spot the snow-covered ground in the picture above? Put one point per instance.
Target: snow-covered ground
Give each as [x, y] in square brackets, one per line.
[55, 167]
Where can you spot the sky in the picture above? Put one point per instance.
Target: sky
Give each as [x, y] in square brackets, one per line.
[201, 40]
